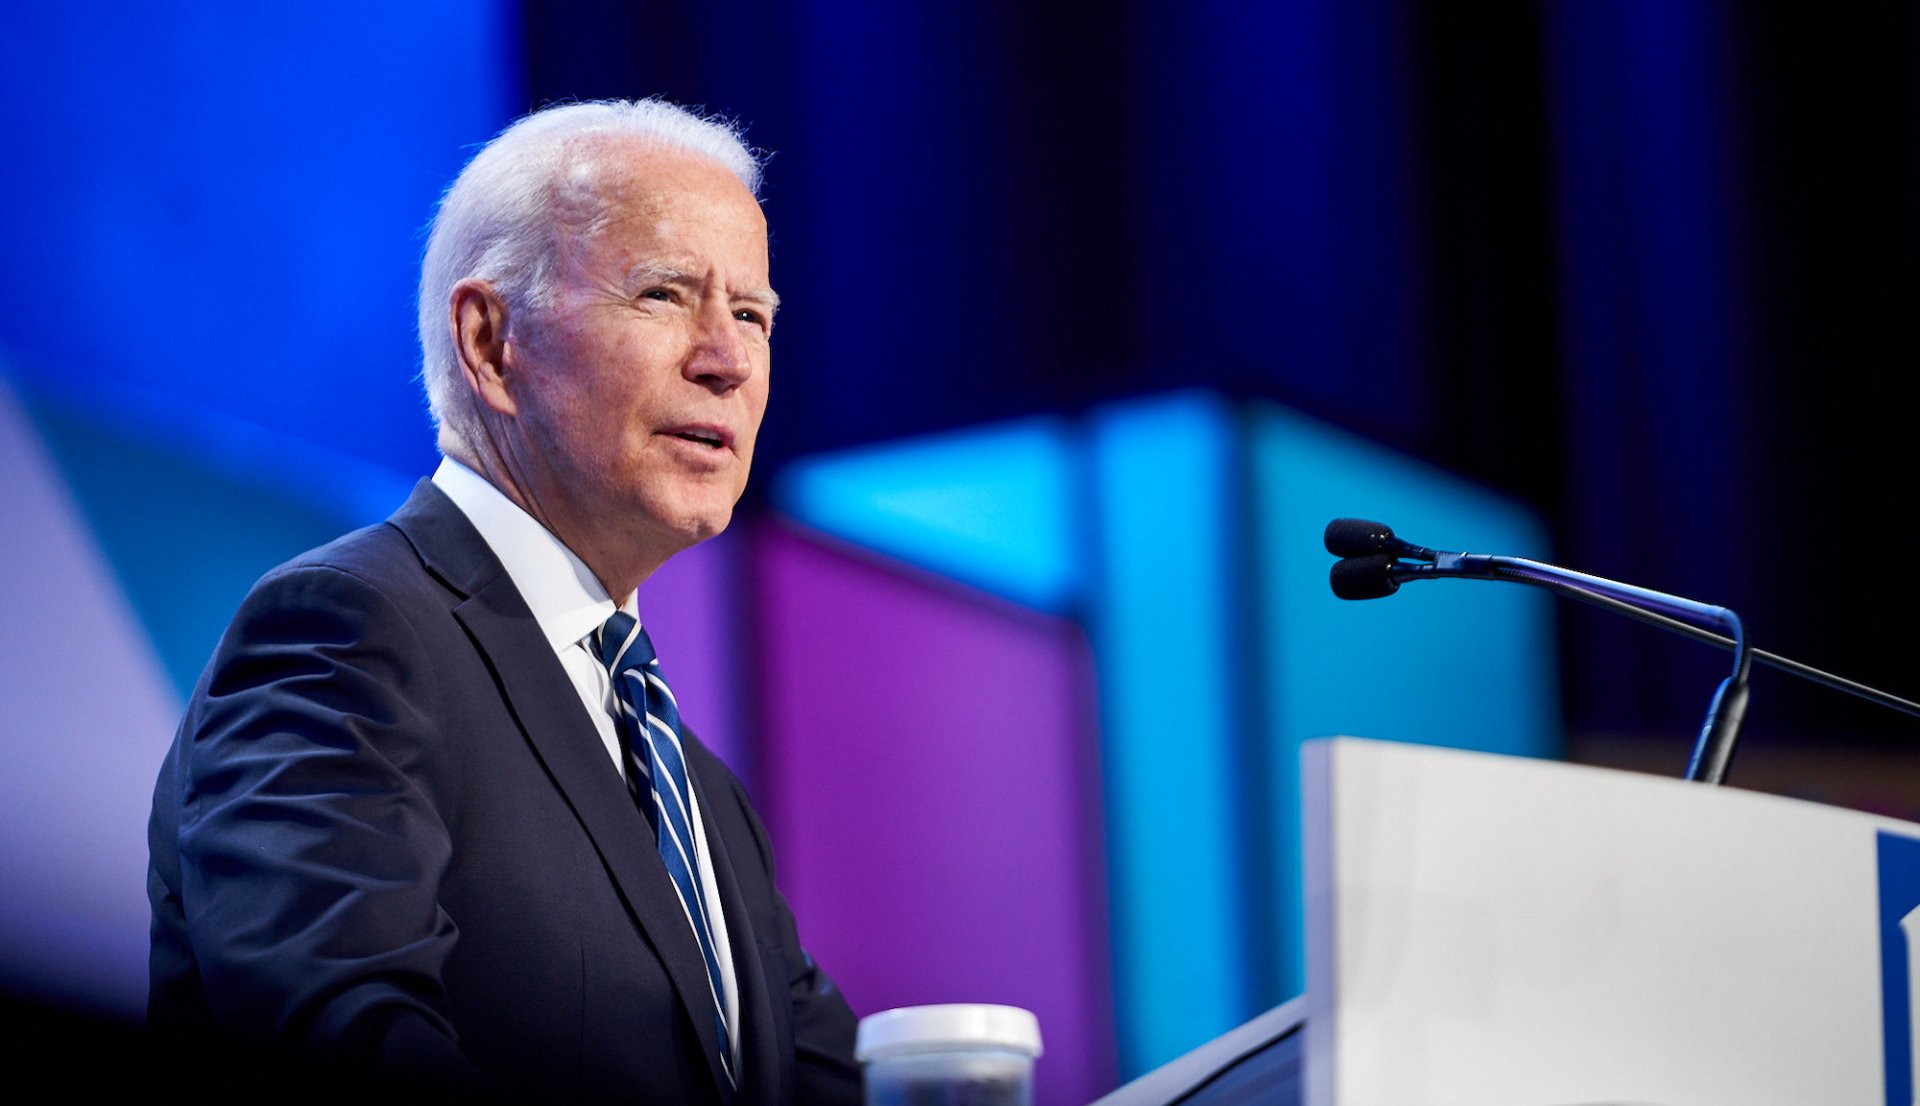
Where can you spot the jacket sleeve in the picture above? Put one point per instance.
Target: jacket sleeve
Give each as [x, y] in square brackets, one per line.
[312, 832]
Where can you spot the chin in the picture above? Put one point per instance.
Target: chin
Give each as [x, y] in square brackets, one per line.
[698, 527]
[684, 520]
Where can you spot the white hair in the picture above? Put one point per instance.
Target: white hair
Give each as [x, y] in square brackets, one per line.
[496, 221]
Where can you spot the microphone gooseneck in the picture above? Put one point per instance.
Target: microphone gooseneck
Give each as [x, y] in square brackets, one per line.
[1374, 563]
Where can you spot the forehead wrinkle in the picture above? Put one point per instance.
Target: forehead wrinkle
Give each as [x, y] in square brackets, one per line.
[597, 183]
[606, 184]
[582, 191]
[577, 210]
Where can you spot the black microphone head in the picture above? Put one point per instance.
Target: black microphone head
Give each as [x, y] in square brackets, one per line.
[1357, 537]
[1363, 577]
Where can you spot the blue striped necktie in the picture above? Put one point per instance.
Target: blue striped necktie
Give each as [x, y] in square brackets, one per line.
[649, 724]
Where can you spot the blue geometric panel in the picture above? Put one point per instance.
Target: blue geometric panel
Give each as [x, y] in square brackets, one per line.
[1167, 628]
[991, 507]
[1899, 864]
[1462, 663]
[1186, 532]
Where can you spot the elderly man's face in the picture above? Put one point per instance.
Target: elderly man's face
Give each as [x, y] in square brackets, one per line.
[641, 388]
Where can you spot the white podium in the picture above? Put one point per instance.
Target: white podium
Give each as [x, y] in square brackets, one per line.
[1488, 930]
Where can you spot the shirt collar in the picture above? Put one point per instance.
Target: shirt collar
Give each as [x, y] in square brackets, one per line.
[565, 597]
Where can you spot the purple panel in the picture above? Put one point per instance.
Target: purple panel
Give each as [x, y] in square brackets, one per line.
[933, 790]
[688, 610]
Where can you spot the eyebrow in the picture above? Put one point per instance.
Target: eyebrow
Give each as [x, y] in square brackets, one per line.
[765, 297]
[644, 274]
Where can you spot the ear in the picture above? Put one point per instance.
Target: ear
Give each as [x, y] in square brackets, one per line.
[478, 316]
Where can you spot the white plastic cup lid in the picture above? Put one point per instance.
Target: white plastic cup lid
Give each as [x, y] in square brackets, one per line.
[960, 1025]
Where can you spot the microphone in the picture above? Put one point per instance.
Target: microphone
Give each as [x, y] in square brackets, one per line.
[1374, 563]
[1371, 568]
[1359, 537]
[1363, 577]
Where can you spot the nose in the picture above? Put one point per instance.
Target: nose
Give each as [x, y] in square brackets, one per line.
[719, 359]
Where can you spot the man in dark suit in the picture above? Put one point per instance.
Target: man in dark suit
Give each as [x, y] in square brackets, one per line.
[428, 814]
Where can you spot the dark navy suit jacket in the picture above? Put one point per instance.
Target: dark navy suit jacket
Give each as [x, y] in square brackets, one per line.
[389, 834]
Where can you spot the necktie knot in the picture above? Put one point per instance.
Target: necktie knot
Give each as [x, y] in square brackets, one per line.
[622, 643]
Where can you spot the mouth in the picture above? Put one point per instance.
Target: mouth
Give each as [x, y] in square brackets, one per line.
[711, 437]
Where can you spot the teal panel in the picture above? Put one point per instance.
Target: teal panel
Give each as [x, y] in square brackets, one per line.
[1164, 627]
[1218, 647]
[190, 508]
[989, 506]
[1463, 663]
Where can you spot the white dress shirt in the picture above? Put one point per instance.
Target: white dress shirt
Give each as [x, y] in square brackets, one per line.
[569, 604]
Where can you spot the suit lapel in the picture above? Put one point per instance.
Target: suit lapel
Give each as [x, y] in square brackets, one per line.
[548, 710]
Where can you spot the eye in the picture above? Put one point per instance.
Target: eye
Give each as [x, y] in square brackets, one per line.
[658, 295]
[748, 315]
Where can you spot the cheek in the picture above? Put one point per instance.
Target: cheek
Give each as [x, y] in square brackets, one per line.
[757, 411]
[762, 385]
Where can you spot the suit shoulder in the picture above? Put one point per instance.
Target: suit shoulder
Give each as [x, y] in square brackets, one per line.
[371, 570]
[427, 552]
[362, 593]
[379, 555]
